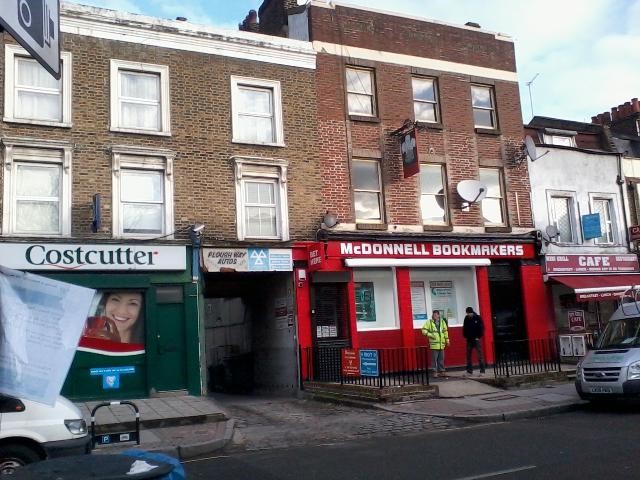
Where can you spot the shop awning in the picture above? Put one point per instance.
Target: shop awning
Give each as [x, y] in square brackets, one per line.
[417, 262]
[598, 288]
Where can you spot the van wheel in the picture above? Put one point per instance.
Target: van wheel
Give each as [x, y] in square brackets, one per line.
[15, 456]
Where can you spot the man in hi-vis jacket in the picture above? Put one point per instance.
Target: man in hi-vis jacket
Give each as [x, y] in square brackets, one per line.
[436, 330]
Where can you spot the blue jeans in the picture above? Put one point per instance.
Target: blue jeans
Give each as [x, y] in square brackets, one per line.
[438, 360]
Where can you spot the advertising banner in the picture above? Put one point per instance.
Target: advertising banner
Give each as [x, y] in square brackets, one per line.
[40, 323]
[247, 260]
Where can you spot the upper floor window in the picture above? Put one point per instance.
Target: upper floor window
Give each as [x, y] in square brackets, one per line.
[32, 95]
[257, 111]
[37, 188]
[433, 199]
[142, 192]
[360, 92]
[561, 215]
[562, 140]
[367, 191]
[484, 107]
[604, 206]
[425, 100]
[261, 199]
[140, 98]
[493, 208]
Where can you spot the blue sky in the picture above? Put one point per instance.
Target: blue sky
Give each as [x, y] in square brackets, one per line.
[586, 52]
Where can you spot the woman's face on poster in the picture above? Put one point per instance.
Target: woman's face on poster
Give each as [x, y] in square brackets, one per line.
[124, 309]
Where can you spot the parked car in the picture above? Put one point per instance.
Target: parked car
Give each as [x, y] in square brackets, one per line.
[31, 431]
[612, 368]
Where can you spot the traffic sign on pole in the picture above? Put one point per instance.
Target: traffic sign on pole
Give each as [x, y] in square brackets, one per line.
[35, 24]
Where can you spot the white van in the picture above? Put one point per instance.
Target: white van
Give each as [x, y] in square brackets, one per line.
[31, 431]
[612, 368]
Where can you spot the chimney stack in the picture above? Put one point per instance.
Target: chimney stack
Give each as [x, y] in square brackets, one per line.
[250, 22]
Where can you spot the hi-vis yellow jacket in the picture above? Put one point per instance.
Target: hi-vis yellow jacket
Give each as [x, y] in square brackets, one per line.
[438, 338]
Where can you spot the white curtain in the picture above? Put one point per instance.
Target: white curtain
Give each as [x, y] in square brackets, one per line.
[140, 100]
[38, 94]
[38, 198]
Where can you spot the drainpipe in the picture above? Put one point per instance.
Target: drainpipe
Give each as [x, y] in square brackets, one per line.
[625, 198]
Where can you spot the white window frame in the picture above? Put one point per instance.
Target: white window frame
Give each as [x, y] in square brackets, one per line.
[276, 95]
[445, 207]
[573, 214]
[551, 139]
[374, 107]
[10, 54]
[613, 212]
[435, 103]
[140, 158]
[379, 192]
[492, 109]
[266, 169]
[165, 114]
[36, 152]
[502, 198]
[386, 302]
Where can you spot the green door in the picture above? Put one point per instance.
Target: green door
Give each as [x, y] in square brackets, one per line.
[170, 367]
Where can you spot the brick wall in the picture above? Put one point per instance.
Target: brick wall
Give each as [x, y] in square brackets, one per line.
[204, 189]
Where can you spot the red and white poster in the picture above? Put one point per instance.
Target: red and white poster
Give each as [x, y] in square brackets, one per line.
[350, 362]
[576, 321]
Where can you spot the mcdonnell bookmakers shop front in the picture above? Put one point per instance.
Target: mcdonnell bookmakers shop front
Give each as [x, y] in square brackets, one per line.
[141, 334]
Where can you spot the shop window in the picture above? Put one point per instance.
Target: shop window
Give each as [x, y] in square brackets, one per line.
[493, 206]
[256, 106]
[604, 207]
[361, 91]
[140, 98]
[116, 323]
[375, 299]
[433, 199]
[484, 106]
[562, 215]
[367, 191]
[425, 99]
[261, 199]
[37, 188]
[32, 95]
[142, 193]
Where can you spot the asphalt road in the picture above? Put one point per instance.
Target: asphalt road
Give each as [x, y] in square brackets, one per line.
[594, 443]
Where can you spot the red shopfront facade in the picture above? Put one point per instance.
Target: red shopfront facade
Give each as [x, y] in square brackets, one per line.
[377, 293]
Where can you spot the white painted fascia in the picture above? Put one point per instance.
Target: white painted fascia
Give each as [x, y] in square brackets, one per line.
[413, 61]
[332, 5]
[178, 35]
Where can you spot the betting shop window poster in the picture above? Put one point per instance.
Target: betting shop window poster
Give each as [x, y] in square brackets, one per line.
[443, 299]
[365, 302]
[115, 325]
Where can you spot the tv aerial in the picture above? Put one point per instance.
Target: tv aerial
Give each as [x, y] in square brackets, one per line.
[530, 148]
[471, 191]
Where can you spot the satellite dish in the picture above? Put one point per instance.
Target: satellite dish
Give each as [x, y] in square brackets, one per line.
[330, 220]
[530, 147]
[552, 231]
[472, 191]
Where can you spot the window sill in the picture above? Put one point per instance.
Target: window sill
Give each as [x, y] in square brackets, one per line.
[35, 235]
[430, 125]
[374, 329]
[263, 239]
[271, 144]
[488, 131]
[140, 132]
[437, 228]
[498, 229]
[124, 236]
[44, 123]
[364, 118]
[371, 226]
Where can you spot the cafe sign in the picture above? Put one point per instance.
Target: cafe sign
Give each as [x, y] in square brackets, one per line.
[576, 264]
[83, 257]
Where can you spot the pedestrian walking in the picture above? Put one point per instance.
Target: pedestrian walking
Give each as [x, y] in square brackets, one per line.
[472, 331]
[435, 329]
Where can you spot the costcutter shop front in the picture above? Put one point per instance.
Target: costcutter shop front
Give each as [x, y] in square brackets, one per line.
[586, 289]
[378, 293]
[141, 334]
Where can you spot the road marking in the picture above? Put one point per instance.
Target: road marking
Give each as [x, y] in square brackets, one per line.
[498, 473]
[205, 458]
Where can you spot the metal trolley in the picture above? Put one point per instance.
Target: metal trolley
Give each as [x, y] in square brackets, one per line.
[116, 437]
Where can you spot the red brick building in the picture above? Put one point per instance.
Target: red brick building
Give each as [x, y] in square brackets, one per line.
[400, 237]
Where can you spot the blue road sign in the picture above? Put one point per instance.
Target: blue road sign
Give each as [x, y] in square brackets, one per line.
[369, 363]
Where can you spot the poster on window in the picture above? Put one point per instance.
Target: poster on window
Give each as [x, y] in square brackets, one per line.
[418, 302]
[365, 302]
[443, 299]
[115, 325]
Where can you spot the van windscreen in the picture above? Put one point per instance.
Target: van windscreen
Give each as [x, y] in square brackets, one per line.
[621, 333]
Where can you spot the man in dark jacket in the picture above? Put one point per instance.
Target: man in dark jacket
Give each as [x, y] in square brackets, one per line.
[473, 330]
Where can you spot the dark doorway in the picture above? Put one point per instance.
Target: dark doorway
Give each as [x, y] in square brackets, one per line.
[506, 307]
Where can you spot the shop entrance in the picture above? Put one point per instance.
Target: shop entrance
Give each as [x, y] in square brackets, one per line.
[506, 305]
[170, 334]
[250, 333]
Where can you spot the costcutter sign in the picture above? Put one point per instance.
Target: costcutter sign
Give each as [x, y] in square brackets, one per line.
[430, 250]
[567, 264]
[59, 256]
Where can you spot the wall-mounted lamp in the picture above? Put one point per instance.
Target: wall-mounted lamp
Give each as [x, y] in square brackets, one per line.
[195, 232]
